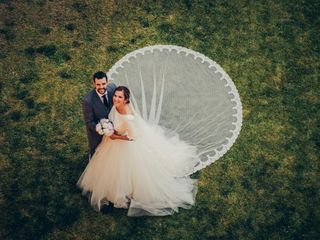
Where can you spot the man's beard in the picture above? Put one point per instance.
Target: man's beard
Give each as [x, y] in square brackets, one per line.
[102, 90]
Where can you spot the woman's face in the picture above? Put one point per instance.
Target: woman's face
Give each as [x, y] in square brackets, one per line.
[118, 99]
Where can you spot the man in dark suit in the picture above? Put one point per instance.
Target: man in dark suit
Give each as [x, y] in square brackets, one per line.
[97, 105]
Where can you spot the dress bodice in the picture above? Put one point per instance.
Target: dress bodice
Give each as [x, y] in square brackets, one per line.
[123, 123]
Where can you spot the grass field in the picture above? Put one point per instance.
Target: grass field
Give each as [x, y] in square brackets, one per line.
[266, 187]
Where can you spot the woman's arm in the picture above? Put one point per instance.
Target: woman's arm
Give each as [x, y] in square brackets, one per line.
[115, 136]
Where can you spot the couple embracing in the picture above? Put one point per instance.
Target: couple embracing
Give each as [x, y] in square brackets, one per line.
[137, 166]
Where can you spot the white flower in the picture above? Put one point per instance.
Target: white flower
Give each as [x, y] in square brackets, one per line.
[104, 120]
[108, 132]
[105, 127]
[98, 127]
[101, 132]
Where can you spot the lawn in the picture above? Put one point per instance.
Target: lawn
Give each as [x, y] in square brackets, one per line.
[267, 186]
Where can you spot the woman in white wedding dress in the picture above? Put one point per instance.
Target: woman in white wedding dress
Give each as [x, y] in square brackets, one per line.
[139, 167]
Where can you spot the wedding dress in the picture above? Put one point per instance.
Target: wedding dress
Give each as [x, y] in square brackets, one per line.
[149, 175]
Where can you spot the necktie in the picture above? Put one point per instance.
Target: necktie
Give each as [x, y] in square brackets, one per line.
[105, 101]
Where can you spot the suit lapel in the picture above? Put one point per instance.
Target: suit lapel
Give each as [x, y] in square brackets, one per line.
[110, 99]
[97, 100]
[99, 106]
[110, 96]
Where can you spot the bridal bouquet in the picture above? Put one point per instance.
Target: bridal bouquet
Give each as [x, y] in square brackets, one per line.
[105, 127]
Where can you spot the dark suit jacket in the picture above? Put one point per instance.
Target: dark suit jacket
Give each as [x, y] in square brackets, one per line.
[93, 111]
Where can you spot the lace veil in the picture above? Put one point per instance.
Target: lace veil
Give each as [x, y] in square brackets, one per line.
[186, 93]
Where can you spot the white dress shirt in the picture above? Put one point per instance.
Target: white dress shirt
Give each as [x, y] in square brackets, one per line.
[101, 96]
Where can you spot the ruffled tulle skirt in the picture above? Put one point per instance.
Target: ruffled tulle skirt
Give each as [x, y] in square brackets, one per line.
[149, 175]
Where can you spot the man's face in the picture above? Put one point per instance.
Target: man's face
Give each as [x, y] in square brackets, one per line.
[100, 85]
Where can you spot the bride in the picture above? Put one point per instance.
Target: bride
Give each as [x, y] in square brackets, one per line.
[139, 167]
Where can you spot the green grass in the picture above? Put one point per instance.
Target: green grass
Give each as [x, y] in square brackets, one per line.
[265, 187]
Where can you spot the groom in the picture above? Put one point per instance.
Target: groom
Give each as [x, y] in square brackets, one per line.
[97, 105]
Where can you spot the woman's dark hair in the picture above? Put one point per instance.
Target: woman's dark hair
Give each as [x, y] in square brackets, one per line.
[126, 92]
[99, 75]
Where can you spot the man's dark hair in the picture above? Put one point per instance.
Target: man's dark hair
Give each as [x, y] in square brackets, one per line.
[99, 75]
